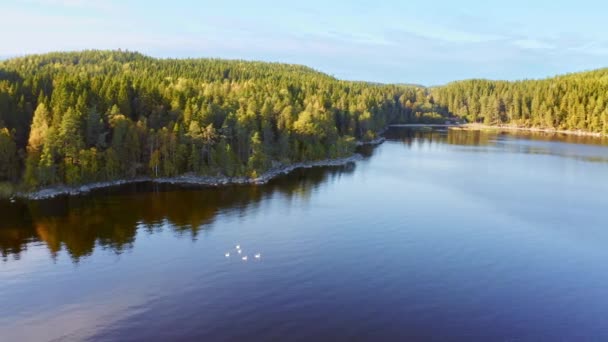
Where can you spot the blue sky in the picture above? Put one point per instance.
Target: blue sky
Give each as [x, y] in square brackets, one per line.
[426, 42]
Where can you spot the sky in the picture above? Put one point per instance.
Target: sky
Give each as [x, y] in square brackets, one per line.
[420, 41]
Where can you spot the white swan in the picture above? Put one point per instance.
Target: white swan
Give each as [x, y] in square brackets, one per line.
[227, 255]
[238, 246]
[244, 258]
[258, 255]
[239, 251]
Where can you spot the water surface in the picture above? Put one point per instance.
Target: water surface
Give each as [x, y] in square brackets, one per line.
[434, 235]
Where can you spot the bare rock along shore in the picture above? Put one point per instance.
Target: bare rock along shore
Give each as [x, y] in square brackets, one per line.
[191, 179]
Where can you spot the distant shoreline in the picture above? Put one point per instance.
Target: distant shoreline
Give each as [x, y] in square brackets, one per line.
[192, 179]
[425, 125]
[474, 126]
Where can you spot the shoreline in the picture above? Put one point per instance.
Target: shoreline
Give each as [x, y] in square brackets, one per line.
[193, 179]
[215, 181]
[374, 142]
[190, 179]
[474, 126]
[419, 125]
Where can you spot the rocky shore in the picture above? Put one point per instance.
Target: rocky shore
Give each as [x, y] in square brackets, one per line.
[192, 179]
[374, 142]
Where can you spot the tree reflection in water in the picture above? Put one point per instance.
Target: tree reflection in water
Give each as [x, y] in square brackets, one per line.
[110, 218]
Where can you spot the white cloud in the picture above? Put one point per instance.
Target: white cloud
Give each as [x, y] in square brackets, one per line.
[592, 48]
[532, 44]
[447, 34]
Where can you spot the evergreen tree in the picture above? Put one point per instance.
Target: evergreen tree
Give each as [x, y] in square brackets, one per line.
[104, 115]
[39, 129]
[8, 156]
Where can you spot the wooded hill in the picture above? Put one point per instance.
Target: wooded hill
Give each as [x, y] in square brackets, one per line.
[79, 117]
[570, 102]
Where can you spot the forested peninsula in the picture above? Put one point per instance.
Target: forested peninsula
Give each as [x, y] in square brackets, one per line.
[98, 116]
[74, 118]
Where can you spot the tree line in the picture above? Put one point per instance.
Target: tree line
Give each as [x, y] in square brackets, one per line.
[570, 102]
[80, 117]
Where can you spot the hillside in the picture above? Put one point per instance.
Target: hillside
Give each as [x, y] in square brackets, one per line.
[80, 117]
[577, 101]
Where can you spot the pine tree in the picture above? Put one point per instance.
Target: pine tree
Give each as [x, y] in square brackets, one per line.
[258, 161]
[8, 156]
[95, 137]
[39, 129]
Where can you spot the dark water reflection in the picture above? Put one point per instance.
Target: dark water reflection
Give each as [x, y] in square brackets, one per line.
[433, 236]
[110, 218]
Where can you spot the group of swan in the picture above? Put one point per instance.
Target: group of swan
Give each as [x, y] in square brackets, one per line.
[244, 258]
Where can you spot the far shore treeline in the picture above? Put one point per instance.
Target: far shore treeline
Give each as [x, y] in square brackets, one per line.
[81, 117]
[570, 102]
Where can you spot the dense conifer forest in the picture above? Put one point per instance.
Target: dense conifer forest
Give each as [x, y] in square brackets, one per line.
[80, 117]
[570, 102]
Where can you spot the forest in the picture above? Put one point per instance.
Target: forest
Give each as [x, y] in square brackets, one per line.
[80, 117]
[576, 101]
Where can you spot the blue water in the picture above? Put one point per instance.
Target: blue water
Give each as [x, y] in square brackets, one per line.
[434, 236]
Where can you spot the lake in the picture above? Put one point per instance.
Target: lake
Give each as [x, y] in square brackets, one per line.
[441, 235]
